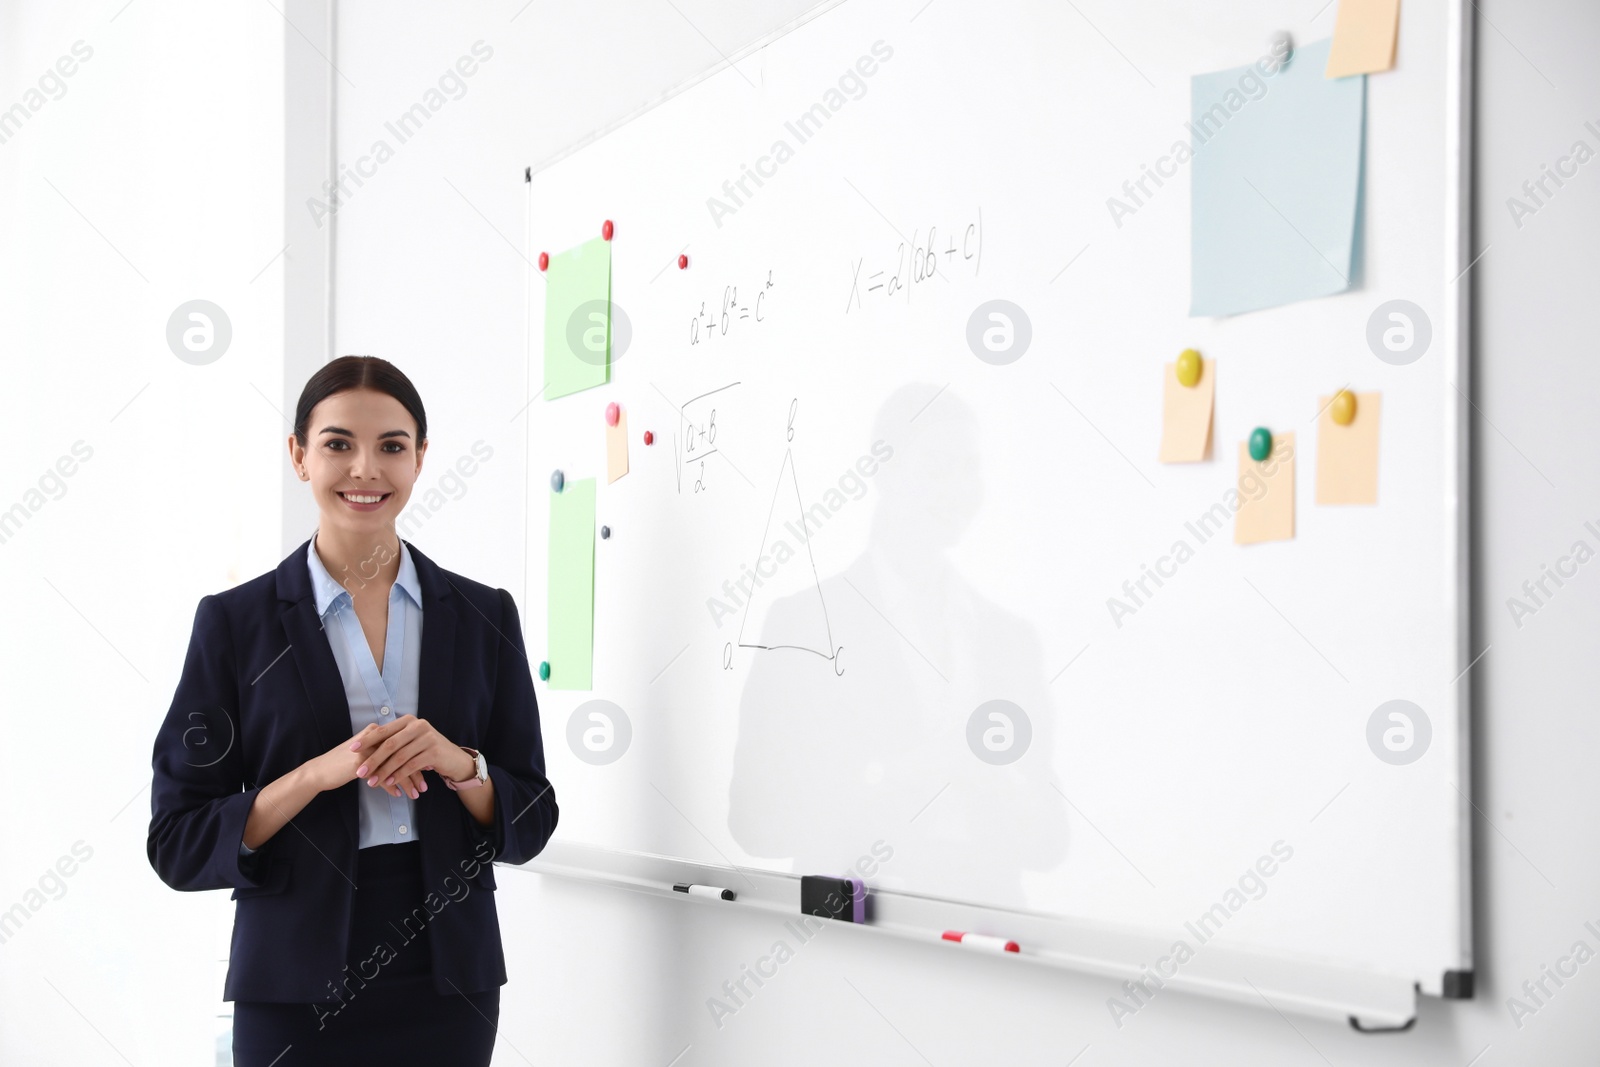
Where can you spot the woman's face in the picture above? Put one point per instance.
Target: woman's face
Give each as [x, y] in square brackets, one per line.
[360, 444]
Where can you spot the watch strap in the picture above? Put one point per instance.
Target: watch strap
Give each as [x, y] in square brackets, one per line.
[477, 778]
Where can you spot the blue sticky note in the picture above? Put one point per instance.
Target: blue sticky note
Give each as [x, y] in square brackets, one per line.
[1275, 184]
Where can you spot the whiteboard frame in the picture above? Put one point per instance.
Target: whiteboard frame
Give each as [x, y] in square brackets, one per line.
[1459, 260]
[1367, 999]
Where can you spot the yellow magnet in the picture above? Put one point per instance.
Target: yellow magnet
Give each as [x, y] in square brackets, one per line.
[1344, 407]
[1188, 367]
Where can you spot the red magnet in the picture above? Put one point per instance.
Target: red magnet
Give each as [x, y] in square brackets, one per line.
[544, 260]
[683, 262]
[605, 229]
[611, 414]
[649, 438]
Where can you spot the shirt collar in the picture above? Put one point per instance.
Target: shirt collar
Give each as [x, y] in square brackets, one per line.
[328, 591]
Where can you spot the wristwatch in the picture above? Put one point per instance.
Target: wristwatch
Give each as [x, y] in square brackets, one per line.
[480, 775]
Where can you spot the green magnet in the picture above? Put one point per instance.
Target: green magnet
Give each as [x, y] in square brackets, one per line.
[544, 671]
[1260, 443]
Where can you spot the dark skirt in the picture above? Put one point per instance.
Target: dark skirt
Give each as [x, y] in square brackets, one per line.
[397, 1013]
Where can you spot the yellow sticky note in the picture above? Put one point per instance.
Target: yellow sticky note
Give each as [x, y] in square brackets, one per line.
[1266, 494]
[617, 446]
[1363, 37]
[1347, 456]
[1186, 414]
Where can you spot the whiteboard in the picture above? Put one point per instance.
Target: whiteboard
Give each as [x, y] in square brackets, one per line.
[939, 536]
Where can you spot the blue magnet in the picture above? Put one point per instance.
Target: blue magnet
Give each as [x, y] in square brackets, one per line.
[557, 480]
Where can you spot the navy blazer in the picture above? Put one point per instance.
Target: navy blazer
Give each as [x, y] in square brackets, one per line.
[261, 694]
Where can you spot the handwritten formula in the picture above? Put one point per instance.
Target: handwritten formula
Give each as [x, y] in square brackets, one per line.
[696, 437]
[934, 254]
[716, 318]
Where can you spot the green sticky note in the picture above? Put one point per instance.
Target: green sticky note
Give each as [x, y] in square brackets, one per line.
[577, 319]
[571, 585]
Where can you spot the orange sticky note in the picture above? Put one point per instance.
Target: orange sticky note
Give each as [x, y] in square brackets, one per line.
[1347, 456]
[1363, 37]
[617, 446]
[1186, 414]
[1266, 494]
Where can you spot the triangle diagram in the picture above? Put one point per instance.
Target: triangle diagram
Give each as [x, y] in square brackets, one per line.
[804, 622]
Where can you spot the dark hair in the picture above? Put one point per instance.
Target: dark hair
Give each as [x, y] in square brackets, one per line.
[358, 372]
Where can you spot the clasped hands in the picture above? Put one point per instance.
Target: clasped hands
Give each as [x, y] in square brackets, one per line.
[392, 756]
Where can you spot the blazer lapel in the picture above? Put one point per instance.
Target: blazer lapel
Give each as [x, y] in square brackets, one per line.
[319, 671]
[438, 643]
[438, 662]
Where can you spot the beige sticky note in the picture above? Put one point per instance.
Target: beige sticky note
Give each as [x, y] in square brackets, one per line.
[1186, 414]
[1363, 37]
[1266, 494]
[1347, 456]
[617, 446]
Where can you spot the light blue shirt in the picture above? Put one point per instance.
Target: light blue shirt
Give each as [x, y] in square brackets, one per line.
[374, 696]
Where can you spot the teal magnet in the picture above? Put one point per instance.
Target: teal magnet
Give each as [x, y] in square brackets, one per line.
[557, 480]
[1260, 443]
[544, 671]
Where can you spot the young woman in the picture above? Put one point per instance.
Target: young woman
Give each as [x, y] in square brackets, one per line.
[353, 742]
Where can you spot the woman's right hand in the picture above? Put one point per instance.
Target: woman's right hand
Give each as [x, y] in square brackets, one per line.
[339, 764]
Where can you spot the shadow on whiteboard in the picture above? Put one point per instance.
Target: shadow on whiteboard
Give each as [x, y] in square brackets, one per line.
[930, 729]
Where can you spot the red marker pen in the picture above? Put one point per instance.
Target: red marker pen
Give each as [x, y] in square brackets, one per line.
[987, 942]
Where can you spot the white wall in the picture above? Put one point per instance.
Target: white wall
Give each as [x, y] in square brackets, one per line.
[427, 273]
[149, 177]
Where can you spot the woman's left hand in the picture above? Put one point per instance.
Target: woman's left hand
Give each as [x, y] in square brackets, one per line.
[407, 745]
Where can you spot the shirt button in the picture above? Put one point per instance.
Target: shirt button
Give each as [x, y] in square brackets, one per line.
[383, 710]
[402, 827]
